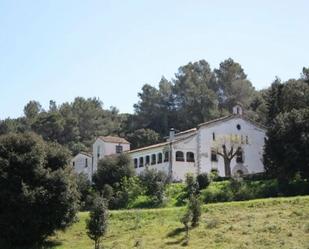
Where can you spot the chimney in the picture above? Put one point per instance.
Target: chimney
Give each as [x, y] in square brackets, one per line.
[172, 134]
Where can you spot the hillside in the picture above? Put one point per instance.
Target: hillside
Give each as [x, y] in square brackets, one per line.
[264, 223]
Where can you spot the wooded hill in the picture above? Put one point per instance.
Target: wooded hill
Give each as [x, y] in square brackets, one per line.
[196, 94]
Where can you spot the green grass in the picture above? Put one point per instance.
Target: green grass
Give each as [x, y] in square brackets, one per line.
[264, 223]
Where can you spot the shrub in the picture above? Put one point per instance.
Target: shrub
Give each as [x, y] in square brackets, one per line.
[195, 209]
[97, 222]
[192, 187]
[112, 169]
[38, 191]
[203, 180]
[125, 193]
[217, 192]
[214, 174]
[154, 183]
[87, 194]
[194, 205]
[107, 192]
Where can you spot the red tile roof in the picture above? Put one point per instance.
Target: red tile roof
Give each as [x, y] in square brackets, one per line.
[116, 140]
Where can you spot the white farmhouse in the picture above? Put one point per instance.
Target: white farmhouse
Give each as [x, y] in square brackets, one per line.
[198, 150]
[87, 163]
[109, 145]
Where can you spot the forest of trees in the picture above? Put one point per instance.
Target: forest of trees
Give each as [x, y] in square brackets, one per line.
[196, 94]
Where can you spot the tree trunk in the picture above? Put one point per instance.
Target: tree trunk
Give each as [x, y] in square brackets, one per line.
[227, 167]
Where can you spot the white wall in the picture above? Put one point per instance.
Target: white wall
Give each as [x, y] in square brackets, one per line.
[180, 169]
[164, 166]
[252, 151]
[105, 149]
[98, 152]
[110, 148]
[80, 164]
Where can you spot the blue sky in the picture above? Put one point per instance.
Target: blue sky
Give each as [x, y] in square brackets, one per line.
[61, 49]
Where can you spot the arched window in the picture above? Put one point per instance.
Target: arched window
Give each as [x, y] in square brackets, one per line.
[135, 162]
[239, 155]
[141, 161]
[147, 160]
[159, 158]
[153, 159]
[179, 156]
[213, 155]
[190, 157]
[166, 156]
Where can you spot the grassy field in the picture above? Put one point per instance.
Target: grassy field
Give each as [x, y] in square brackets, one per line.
[264, 223]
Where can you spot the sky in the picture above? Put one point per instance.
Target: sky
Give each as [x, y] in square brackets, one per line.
[61, 49]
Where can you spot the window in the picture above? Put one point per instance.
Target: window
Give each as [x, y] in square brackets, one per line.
[179, 156]
[190, 157]
[166, 156]
[159, 158]
[135, 162]
[118, 149]
[98, 151]
[153, 159]
[214, 157]
[239, 156]
[247, 140]
[147, 160]
[86, 162]
[73, 164]
[237, 110]
[238, 127]
[213, 136]
[141, 162]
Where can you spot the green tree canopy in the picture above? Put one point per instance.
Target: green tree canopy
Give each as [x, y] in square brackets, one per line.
[38, 192]
[112, 169]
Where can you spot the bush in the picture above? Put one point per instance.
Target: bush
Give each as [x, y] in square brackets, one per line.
[154, 183]
[38, 191]
[203, 180]
[112, 169]
[194, 205]
[87, 194]
[192, 187]
[195, 209]
[214, 174]
[126, 193]
[97, 222]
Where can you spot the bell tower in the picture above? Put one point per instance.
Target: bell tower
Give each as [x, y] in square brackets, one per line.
[238, 109]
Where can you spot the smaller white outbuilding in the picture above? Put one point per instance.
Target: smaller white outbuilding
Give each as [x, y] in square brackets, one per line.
[82, 163]
[87, 163]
